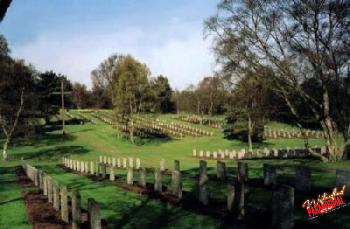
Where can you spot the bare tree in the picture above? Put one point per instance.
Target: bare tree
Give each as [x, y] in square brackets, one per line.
[298, 40]
[9, 128]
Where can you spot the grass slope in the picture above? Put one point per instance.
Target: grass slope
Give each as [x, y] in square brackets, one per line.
[128, 210]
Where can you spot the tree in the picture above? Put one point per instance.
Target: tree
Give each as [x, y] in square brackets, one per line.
[104, 77]
[185, 101]
[100, 98]
[16, 83]
[161, 91]
[82, 98]
[212, 94]
[4, 5]
[130, 87]
[249, 106]
[298, 40]
[49, 88]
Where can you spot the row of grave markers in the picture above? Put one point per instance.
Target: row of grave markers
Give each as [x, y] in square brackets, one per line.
[153, 126]
[59, 197]
[198, 120]
[173, 127]
[121, 162]
[265, 153]
[83, 116]
[303, 178]
[101, 171]
[283, 196]
[282, 133]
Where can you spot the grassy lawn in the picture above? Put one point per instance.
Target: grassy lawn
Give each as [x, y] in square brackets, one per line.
[12, 209]
[129, 210]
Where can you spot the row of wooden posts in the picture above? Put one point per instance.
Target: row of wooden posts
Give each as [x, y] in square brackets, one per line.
[60, 198]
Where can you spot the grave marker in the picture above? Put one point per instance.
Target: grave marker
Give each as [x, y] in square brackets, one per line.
[283, 207]
[203, 183]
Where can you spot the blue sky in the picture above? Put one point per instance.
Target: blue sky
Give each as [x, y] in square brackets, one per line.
[73, 36]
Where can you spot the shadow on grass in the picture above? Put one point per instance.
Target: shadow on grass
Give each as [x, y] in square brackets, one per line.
[52, 154]
[12, 200]
[43, 139]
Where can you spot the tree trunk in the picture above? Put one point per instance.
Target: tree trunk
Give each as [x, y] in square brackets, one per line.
[328, 129]
[8, 133]
[211, 108]
[131, 132]
[346, 147]
[250, 133]
[4, 151]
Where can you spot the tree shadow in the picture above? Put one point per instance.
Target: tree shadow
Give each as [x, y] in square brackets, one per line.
[12, 200]
[52, 154]
[43, 139]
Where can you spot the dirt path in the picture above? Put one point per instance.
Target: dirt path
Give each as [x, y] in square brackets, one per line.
[41, 214]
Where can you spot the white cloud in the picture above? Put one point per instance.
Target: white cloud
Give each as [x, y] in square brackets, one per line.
[177, 51]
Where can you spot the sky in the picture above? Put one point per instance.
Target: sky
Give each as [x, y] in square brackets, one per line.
[73, 36]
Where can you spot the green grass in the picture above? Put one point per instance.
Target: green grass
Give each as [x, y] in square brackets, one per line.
[128, 210]
[12, 209]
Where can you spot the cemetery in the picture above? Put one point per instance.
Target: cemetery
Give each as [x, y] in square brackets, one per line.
[174, 114]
